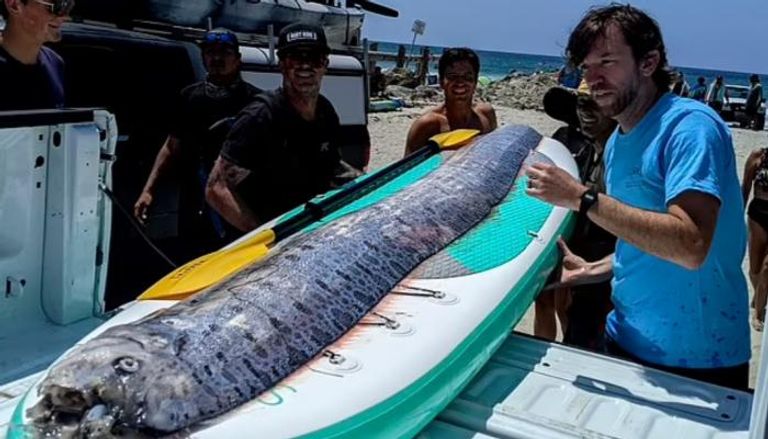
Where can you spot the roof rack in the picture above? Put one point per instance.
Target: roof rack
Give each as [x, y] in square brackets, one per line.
[174, 31]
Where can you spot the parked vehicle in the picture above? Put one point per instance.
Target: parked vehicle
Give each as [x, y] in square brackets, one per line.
[137, 76]
[735, 103]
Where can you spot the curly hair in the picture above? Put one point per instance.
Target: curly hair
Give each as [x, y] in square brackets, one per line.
[641, 32]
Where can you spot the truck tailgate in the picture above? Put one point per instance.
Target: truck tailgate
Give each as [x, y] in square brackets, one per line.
[534, 389]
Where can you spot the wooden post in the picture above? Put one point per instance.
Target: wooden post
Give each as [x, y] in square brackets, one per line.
[400, 63]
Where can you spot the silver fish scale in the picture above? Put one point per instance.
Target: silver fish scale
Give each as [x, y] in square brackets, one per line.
[241, 337]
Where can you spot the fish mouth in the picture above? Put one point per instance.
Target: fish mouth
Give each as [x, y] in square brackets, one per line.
[66, 412]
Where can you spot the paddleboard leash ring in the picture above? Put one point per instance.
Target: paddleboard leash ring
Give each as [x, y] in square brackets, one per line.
[333, 357]
[385, 322]
[420, 292]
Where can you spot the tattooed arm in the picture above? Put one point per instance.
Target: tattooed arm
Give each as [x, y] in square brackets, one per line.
[222, 196]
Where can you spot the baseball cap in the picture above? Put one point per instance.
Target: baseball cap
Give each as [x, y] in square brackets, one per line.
[298, 35]
[221, 36]
[560, 104]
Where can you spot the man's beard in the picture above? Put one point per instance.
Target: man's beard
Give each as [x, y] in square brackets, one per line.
[621, 102]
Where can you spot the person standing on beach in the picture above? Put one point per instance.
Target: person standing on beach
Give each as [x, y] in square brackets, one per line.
[458, 70]
[756, 179]
[754, 100]
[699, 91]
[581, 308]
[672, 199]
[32, 75]
[680, 87]
[283, 148]
[716, 96]
[194, 143]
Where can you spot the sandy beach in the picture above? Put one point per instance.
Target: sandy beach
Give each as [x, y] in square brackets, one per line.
[388, 132]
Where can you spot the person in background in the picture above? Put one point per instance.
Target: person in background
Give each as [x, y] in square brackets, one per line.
[32, 75]
[569, 77]
[756, 179]
[377, 82]
[283, 149]
[584, 306]
[717, 94]
[198, 127]
[754, 101]
[458, 69]
[672, 199]
[699, 91]
[680, 86]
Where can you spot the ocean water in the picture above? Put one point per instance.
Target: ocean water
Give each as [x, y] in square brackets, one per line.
[497, 65]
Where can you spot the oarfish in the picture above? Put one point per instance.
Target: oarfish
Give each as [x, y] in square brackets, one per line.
[230, 343]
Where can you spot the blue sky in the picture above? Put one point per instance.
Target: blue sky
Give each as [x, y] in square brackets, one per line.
[723, 35]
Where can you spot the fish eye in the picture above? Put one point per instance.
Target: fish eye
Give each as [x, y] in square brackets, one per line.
[127, 364]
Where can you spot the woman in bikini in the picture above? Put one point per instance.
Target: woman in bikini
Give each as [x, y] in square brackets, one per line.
[756, 176]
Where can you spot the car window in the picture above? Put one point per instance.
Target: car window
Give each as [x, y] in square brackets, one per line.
[738, 93]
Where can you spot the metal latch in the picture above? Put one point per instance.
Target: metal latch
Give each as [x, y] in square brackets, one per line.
[14, 287]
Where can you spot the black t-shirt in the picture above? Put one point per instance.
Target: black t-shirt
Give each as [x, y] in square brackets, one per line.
[200, 106]
[291, 159]
[30, 87]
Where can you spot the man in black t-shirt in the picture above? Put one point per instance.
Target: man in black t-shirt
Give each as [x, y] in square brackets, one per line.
[198, 127]
[283, 148]
[31, 75]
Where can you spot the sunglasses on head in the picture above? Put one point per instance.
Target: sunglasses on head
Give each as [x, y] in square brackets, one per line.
[58, 8]
[220, 37]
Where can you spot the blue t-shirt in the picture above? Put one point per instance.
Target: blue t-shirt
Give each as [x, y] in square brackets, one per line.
[666, 314]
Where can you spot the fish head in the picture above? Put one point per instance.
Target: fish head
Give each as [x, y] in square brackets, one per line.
[114, 381]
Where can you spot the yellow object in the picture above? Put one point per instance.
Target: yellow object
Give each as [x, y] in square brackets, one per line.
[583, 87]
[209, 269]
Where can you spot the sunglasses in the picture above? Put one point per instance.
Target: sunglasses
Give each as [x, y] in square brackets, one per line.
[313, 58]
[58, 8]
[220, 37]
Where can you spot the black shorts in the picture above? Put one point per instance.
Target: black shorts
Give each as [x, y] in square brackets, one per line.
[758, 212]
[590, 305]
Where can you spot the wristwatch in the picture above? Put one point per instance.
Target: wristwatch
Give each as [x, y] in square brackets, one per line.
[588, 199]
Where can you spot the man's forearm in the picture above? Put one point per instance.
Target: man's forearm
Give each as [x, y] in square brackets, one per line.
[600, 270]
[660, 234]
[231, 208]
[162, 162]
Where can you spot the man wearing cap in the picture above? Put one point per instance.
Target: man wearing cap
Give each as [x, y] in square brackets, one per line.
[283, 148]
[584, 306]
[458, 69]
[198, 128]
[31, 75]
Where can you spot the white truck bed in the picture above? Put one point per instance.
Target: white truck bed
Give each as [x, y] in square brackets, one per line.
[534, 389]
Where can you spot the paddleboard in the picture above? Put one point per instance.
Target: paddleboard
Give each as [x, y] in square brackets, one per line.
[414, 352]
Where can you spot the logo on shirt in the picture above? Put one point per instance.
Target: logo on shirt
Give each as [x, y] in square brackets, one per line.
[325, 146]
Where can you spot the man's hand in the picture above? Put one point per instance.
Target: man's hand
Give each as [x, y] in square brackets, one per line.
[554, 185]
[574, 266]
[577, 271]
[141, 206]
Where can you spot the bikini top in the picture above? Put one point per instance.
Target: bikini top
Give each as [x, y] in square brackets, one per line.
[761, 178]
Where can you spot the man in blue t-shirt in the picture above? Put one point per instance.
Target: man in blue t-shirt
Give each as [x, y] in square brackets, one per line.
[673, 201]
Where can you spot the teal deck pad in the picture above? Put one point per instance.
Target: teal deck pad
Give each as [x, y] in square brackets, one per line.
[501, 237]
